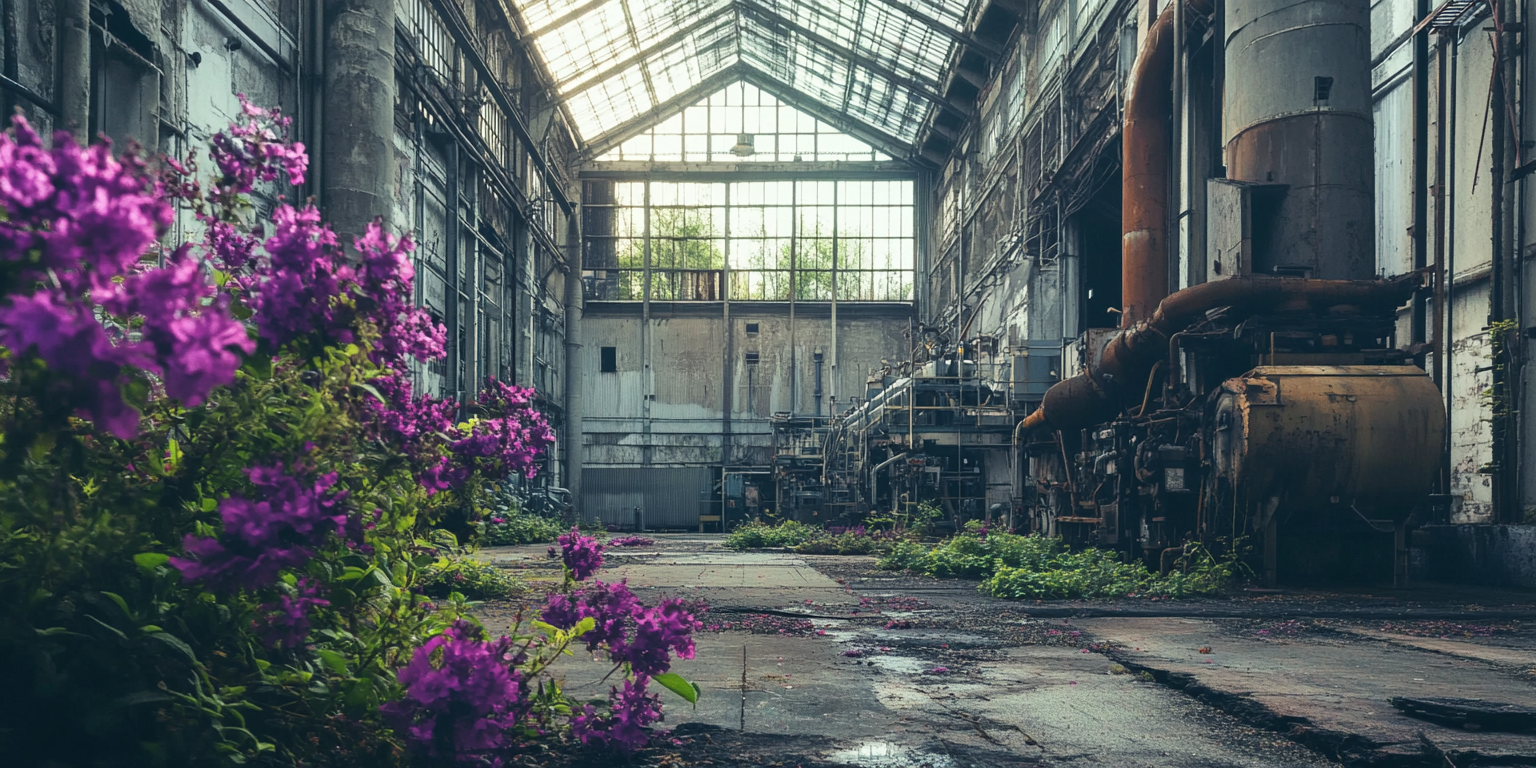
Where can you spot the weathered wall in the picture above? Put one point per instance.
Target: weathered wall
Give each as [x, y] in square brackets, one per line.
[1492, 555]
[666, 406]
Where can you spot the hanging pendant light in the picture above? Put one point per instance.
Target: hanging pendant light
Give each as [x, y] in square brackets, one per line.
[743, 146]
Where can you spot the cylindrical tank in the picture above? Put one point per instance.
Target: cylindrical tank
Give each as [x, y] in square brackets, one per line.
[1297, 112]
[1301, 440]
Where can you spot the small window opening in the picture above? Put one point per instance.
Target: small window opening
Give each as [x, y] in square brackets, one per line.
[610, 357]
[1321, 86]
[751, 358]
[752, 328]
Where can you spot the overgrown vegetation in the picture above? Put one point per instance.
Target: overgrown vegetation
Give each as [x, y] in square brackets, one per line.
[1040, 568]
[222, 505]
[811, 539]
[761, 535]
[474, 579]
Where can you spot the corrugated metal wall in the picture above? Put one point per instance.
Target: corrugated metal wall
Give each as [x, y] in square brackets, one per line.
[671, 497]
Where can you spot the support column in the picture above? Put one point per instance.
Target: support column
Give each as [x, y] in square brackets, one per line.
[359, 162]
[74, 92]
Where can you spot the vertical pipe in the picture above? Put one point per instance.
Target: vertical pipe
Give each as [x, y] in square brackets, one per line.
[1498, 303]
[315, 179]
[1509, 462]
[359, 163]
[12, 64]
[794, 287]
[1450, 268]
[453, 307]
[816, 392]
[645, 338]
[1442, 368]
[728, 364]
[573, 378]
[74, 91]
[1419, 321]
[836, 204]
[1176, 152]
[1144, 180]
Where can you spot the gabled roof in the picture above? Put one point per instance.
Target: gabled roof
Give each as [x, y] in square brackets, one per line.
[873, 68]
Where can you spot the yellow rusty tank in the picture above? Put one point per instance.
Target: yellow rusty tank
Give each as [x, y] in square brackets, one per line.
[1302, 440]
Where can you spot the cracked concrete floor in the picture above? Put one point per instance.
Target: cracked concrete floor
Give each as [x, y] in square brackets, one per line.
[844, 666]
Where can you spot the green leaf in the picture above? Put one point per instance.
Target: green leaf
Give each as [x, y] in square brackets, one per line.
[173, 454]
[149, 561]
[176, 644]
[675, 683]
[121, 603]
[142, 697]
[210, 504]
[332, 660]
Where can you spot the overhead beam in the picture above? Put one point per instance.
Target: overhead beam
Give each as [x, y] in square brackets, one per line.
[983, 47]
[855, 58]
[736, 171]
[852, 126]
[622, 132]
[641, 56]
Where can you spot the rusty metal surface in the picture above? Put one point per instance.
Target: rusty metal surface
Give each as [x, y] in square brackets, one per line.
[1144, 180]
[1095, 396]
[1305, 438]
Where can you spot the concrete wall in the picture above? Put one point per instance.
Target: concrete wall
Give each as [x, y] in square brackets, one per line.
[665, 406]
[1493, 555]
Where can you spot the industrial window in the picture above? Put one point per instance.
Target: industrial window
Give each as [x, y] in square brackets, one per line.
[752, 358]
[610, 359]
[752, 328]
[742, 123]
[813, 240]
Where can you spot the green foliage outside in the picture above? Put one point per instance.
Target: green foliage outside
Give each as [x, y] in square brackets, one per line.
[1039, 568]
[845, 543]
[474, 579]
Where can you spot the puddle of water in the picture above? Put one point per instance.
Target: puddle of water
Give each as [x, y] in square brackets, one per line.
[883, 754]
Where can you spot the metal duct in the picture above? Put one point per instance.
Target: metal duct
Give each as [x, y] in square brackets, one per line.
[1144, 175]
[1297, 112]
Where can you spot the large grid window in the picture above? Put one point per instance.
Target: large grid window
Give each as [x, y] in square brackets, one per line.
[750, 240]
[742, 123]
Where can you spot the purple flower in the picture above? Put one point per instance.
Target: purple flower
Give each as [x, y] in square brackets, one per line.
[261, 537]
[581, 554]
[668, 628]
[630, 541]
[285, 623]
[623, 729]
[612, 606]
[460, 696]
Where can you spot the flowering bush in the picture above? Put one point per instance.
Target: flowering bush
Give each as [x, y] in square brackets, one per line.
[757, 535]
[855, 540]
[218, 486]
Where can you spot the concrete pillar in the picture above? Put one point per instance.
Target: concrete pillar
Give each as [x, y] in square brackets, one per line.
[358, 166]
[74, 92]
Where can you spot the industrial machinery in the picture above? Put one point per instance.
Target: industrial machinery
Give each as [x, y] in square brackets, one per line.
[1265, 412]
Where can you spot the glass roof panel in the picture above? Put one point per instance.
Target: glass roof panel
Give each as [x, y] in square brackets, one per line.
[877, 62]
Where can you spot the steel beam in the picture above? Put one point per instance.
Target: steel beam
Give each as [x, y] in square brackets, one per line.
[852, 126]
[855, 58]
[641, 56]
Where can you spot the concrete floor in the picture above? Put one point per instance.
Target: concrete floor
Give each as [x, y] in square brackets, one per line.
[962, 680]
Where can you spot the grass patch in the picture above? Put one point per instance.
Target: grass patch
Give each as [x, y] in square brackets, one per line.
[473, 579]
[1039, 568]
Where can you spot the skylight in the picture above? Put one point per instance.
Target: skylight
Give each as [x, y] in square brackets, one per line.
[743, 123]
[621, 66]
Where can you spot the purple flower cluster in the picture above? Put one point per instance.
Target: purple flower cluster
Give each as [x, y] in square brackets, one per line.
[510, 440]
[460, 695]
[75, 225]
[279, 529]
[630, 541]
[644, 638]
[285, 622]
[581, 554]
[629, 712]
[254, 148]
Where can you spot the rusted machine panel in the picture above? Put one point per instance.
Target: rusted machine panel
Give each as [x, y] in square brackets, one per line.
[1308, 439]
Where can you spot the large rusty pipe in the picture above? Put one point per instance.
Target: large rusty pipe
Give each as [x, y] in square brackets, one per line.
[1096, 395]
[1144, 175]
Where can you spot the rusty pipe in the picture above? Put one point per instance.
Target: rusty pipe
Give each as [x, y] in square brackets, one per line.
[1098, 395]
[1145, 171]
